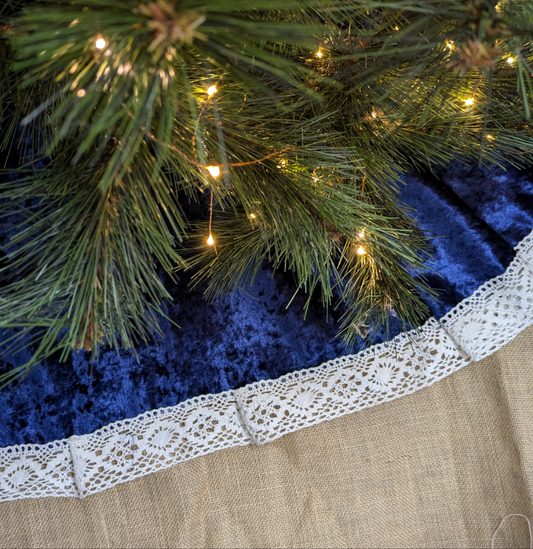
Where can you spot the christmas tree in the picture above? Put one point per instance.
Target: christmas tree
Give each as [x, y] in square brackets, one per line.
[289, 123]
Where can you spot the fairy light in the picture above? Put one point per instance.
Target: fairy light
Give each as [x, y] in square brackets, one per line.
[374, 115]
[319, 54]
[214, 171]
[211, 91]
[100, 43]
[490, 137]
[81, 93]
[361, 234]
[361, 251]
[210, 239]
[281, 164]
[252, 216]
[510, 60]
[396, 28]
[469, 102]
[450, 45]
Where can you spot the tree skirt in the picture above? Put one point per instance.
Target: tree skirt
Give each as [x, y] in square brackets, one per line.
[245, 369]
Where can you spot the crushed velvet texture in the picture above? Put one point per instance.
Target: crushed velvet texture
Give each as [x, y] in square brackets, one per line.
[475, 218]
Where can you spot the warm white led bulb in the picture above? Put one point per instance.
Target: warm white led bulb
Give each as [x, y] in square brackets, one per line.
[510, 60]
[469, 101]
[100, 43]
[213, 170]
[319, 54]
[252, 216]
[361, 251]
[210, 240]
[211, 91]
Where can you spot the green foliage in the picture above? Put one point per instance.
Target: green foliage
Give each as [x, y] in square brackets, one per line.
[319, 106]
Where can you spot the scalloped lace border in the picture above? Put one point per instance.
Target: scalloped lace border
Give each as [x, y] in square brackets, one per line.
[266, 410]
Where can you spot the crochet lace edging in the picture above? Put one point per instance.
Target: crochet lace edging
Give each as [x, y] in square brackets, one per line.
[266, 410]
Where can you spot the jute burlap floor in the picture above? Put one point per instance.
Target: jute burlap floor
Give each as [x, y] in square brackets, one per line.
[439, 468]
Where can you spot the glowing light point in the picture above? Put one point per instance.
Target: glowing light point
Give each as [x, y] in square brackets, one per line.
[374, 115]
[213, 170]
[81, 93]
[450, 44]
[361, 251]
[211, 91]
[361, 234]
[510, 60]
[100, 43]
[319, 54]
[210, 240]
[396, 28]
[469, 101]
[252, 216]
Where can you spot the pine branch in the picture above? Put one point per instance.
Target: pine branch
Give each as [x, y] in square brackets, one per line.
[81, 263]
[314, 110]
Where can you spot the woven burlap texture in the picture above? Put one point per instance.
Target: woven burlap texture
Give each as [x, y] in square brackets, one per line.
[439, 468]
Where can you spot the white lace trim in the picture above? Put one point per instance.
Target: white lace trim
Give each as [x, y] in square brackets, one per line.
[263, 411]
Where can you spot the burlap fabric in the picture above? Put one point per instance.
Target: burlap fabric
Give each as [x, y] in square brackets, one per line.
[439, 468]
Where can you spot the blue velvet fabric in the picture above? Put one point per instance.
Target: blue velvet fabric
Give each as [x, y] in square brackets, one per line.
[475, 218]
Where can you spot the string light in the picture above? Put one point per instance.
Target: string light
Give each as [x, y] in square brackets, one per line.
[469, 101]
[396, 28]
[100, 43]
[374, 115]
[361, 234]
[211, 91]
[510, 60]
[319, 54]
[213, 170]
[210, 239]
[252, 216]
[450, 44]
[490, 137]
[81, 93]
[361, 251]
